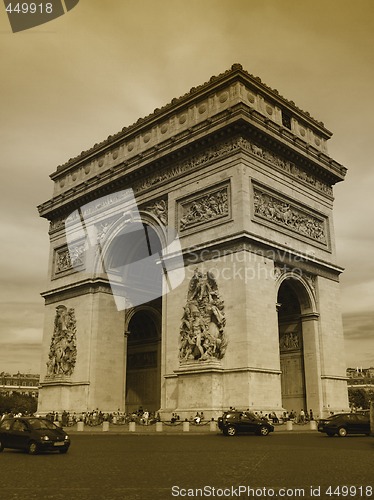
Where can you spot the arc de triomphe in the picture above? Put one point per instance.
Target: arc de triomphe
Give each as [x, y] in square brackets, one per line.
[192, 262]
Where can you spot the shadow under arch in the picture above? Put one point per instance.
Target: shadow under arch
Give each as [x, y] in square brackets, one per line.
[302, 288]
[143, 359]
[131, 256]
[296, 307]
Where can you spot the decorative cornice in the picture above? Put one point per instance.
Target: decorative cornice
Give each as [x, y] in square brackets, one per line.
[334, 377]
[161, 170]
[61, 382]
[77, 289]
[235, 72]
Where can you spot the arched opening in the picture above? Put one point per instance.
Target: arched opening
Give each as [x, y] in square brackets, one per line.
[143, 364]
[133, 265]
[291, 347]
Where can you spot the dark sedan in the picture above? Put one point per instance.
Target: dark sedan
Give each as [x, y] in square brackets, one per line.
[33, 435]
[345, 423]
[233, 422]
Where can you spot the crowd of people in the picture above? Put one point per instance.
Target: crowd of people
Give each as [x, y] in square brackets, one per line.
[97, 417]
[144, 417]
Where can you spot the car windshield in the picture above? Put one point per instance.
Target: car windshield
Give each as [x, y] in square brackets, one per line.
[38, 423]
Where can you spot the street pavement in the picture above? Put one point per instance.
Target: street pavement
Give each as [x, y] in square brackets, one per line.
[113, 466]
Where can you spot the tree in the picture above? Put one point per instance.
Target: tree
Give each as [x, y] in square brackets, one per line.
[360, 398]
[17, 403]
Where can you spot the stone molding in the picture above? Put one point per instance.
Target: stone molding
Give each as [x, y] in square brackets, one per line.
[77, 289]
[198, 368]
[61, 381]
[280, 211]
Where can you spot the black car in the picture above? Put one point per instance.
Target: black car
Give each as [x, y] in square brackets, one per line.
[345, 423]
[233, 422]
[32, 434]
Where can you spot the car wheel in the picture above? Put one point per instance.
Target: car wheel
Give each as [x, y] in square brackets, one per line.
[32, 449]
[231, 430]
[1, 446]
[263, 431]
[342, 431]
[330, 434]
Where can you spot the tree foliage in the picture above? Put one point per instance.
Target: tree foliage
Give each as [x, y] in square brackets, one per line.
[16, 403]
[360, 398]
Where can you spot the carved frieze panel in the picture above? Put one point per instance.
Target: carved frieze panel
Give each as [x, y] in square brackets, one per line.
[99, 206]
[210, 206]
[202, 330]
[286, 214]
[223, 149]
[69, 259]
[290, 341]
[63, 350]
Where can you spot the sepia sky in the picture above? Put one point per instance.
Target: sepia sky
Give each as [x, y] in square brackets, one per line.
[68, 84]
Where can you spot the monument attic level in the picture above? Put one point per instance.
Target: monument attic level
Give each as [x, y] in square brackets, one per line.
[242, 176]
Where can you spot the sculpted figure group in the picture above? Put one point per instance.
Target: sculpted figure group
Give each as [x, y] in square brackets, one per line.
[202, 335]
[63, 350]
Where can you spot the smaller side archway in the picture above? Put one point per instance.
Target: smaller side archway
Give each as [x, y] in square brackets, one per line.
[299, 347]
[143, 359]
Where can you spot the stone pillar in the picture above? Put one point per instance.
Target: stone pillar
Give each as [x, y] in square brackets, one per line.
[312, 363]
[213, 426]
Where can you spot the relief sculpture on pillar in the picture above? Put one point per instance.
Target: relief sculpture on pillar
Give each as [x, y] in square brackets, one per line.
[202, 331]
[63, 350]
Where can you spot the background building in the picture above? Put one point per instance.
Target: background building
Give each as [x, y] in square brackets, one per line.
[21, 383]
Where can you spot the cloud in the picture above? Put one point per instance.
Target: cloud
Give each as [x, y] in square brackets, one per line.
[359, 338]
